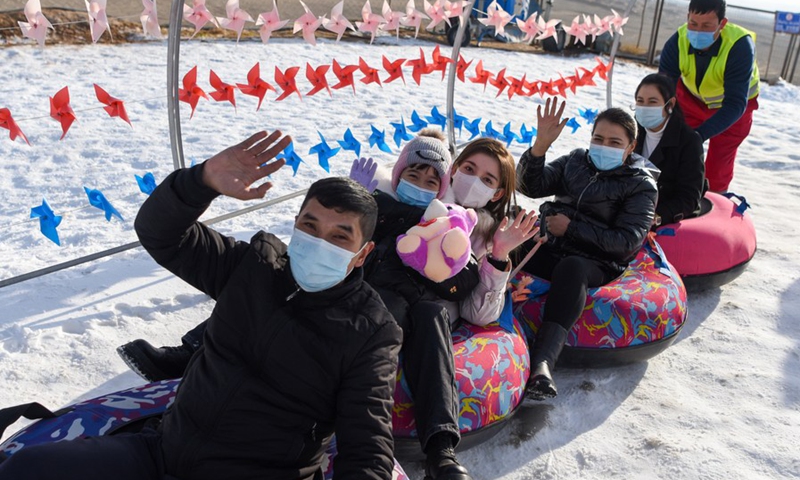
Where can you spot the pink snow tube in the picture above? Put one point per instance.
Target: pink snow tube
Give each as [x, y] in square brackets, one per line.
[714, 248]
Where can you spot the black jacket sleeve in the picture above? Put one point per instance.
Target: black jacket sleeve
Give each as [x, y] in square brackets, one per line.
[684, 197]
[535, 179]
[364, 409]
[624, 237]
[168, 228]
[459, 286]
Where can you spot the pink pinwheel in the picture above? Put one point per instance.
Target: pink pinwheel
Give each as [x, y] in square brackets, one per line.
[371, 23]
[270, 21]
[496, 17]
[36, 26]
[455, 9]
[198, 15]
[548, 29]
[529, 27]
[149, 18]
[577, 30]
[338, 23]
[391, 19]
[413, 17]
[601, 25]
[437, 14]
[308, 23]
[617, 21]
[236, 18]
[7, 122]
[98, 21]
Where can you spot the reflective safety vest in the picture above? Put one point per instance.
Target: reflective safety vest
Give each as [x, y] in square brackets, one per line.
[712, 88]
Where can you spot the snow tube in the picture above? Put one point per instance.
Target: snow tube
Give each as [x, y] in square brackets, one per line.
[492, 367]
[713, 248]
[123, 411]
[630, 319]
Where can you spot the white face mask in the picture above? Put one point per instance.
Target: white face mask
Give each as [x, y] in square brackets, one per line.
[470, 191]
[316, 264]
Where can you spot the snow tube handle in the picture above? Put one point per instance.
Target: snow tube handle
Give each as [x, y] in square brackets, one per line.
[31, 411]
[743, 205]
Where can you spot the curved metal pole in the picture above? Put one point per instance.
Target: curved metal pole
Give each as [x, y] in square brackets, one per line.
[614, 48]
[463, 24]
[173, 77]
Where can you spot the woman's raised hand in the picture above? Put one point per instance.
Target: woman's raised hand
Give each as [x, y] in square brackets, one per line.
[234, 170]
[550, 125]
[511, 234]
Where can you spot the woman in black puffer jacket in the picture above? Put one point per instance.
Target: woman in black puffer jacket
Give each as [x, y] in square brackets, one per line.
[604, 204]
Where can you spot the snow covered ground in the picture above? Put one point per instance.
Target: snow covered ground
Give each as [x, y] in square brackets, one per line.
[722, 402]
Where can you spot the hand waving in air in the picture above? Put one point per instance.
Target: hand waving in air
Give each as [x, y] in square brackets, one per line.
[511, 234]
[233, 171]
[550, 125]
[363, 172]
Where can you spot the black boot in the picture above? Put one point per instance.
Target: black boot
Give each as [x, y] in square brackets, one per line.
[441, 463]
[546, 349]
[154, 364]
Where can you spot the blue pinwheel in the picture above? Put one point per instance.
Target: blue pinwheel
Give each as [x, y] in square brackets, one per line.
[400, 132]
[324, 152]
[473, 127]
[508, 135]
[525, 135]
[349, 142]
[489, 131]
[291, 157]
[437, 118]
[48, 221]
[98, 200]
[459, 121]
[417, 123]
[378, 138]
[573, 124]
[588, 114]
[147, 183]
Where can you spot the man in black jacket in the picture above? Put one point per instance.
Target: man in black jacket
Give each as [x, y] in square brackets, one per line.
[297, 348]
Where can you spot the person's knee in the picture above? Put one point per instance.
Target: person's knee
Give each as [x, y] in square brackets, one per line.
[570, 268]
[429, 315]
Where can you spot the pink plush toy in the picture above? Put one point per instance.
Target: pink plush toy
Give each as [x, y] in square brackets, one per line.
[439, 246]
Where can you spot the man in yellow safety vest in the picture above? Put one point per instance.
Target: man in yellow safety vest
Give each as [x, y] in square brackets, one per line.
[715, 63]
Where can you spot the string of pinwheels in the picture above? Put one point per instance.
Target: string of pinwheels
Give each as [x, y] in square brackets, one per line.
[49, 221]
[440, 12]
[285, 79]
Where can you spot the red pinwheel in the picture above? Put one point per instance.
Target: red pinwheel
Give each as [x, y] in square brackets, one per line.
[585, 79]
[114, 106]
[345, 75]
[7, 122]
[602, 68]
[439, 62]
[61, 110]
[547, 88]
[499, 81]
[222, 91]
[394, 69]
[516, 86]
[255, 86]
[370, 74]
[316, 76]
[420, 67]
[461, 67]
[532, 87]
[191, 93]
[286, 82]
[481, 76]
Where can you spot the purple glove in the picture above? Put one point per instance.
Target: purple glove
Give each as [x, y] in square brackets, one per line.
[363, 172]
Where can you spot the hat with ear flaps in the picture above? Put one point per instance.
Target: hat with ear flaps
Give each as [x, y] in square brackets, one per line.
[428, 151]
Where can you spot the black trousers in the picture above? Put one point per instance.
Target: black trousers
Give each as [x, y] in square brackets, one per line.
[570, 277]
[131, 456]
[428, 364]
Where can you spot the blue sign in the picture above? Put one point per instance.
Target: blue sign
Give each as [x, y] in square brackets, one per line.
[787, 22]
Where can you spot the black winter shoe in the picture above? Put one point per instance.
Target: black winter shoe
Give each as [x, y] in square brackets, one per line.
[441, 463]
[154, 364]
[541, 386]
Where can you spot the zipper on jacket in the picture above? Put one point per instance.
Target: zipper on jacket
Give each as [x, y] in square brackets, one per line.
[293, 294]
[591, 181]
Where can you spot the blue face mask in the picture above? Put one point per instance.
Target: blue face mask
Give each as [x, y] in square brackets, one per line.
[316, 264]
[606, 158]
[411, 194]
[650, 117]
[700, 40]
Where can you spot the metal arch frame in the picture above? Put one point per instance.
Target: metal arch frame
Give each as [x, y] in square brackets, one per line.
[173, 76]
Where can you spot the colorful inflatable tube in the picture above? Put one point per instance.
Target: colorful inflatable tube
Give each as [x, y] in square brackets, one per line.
[492, 366]
[714, 248]
[124, 411]
[630, 319]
